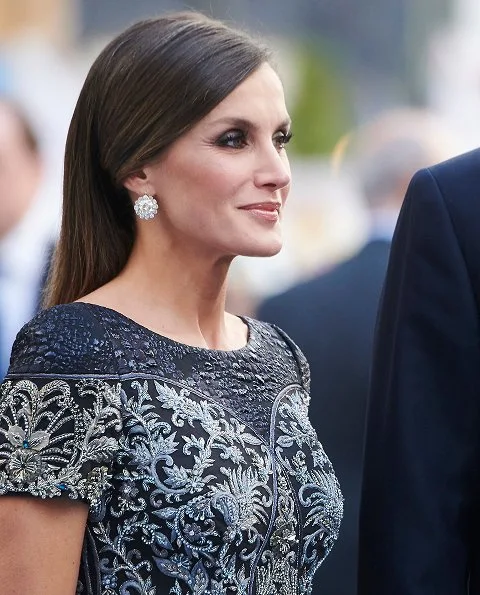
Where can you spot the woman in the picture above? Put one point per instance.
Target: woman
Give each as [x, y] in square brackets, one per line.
[166, 441]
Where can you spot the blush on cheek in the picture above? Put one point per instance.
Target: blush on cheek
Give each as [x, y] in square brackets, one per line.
[208, 184]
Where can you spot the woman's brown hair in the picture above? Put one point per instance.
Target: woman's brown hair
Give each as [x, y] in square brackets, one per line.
[151, 84]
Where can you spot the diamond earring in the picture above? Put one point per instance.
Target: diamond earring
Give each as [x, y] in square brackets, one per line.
[146, 207]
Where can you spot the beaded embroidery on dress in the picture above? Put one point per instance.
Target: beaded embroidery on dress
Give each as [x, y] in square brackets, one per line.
[202, 471]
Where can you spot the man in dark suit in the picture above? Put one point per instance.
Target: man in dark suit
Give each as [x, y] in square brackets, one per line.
[332, 318]
[420, 514]
[26, 225]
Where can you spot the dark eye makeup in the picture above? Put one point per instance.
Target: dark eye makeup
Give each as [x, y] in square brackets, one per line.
[282, 138]
[236, 139]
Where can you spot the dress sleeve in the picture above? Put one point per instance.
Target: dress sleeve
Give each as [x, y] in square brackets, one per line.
[59, 423]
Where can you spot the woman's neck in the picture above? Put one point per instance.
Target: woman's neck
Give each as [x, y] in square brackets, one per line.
[178, 295]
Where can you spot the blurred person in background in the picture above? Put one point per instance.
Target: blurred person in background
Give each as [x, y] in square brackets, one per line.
[26, 228]
[150, 441]
[332, 316]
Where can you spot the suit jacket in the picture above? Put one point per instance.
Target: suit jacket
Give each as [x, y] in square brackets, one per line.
[332, 319]
[421, 491]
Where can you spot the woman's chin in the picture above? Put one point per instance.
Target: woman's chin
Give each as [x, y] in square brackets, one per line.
[264, 251]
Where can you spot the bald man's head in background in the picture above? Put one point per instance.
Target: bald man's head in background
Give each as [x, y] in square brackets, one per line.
[390, 148]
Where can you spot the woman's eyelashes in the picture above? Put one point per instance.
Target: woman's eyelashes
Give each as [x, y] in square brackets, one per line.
[237, 139]
[281, 139]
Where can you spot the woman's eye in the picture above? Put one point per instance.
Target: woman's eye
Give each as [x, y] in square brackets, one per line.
[235, 139]
[282, 139]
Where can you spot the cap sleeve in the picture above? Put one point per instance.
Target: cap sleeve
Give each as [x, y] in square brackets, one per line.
[59, 423]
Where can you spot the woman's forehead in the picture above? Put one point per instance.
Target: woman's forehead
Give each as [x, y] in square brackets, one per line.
[258, 95]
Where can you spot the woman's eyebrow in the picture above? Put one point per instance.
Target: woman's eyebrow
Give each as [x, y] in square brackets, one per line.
[244, 123]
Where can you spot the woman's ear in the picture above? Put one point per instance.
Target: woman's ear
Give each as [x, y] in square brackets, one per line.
[136, 182]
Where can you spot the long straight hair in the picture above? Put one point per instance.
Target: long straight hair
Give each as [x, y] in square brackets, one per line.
[150, 85]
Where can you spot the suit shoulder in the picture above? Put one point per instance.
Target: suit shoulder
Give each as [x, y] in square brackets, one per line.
[320, 283]
[456, 178]
[452, 184]
[467, 164]
[294, 295]
[65, 339]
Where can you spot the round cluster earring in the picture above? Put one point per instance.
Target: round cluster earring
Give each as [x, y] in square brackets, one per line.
[146, 207]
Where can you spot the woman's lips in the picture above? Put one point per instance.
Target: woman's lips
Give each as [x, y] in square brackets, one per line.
[265, 210]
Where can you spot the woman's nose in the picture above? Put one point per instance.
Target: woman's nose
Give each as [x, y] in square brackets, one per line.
[273, 170]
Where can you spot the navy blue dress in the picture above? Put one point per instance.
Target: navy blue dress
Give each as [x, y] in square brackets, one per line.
[201, 470]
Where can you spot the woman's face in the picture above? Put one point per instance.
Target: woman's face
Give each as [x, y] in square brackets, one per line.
[222, 186]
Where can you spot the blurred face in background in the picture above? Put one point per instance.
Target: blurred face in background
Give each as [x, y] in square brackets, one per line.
[20, 169]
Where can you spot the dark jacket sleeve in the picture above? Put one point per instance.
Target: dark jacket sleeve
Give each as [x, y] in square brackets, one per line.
[421, 471]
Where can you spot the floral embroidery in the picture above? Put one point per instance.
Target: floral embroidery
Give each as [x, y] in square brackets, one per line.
[51, 445]
[317, 488]
[188, 494]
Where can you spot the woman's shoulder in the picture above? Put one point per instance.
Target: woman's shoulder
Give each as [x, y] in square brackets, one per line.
[64, 339]
[273, 334]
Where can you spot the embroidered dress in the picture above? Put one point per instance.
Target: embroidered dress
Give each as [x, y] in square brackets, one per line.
[201, 469]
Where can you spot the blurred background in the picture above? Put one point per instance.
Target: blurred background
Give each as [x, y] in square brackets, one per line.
[342, 62]
[376, 90]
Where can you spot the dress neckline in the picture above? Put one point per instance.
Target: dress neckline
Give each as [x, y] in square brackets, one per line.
[185, 346]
